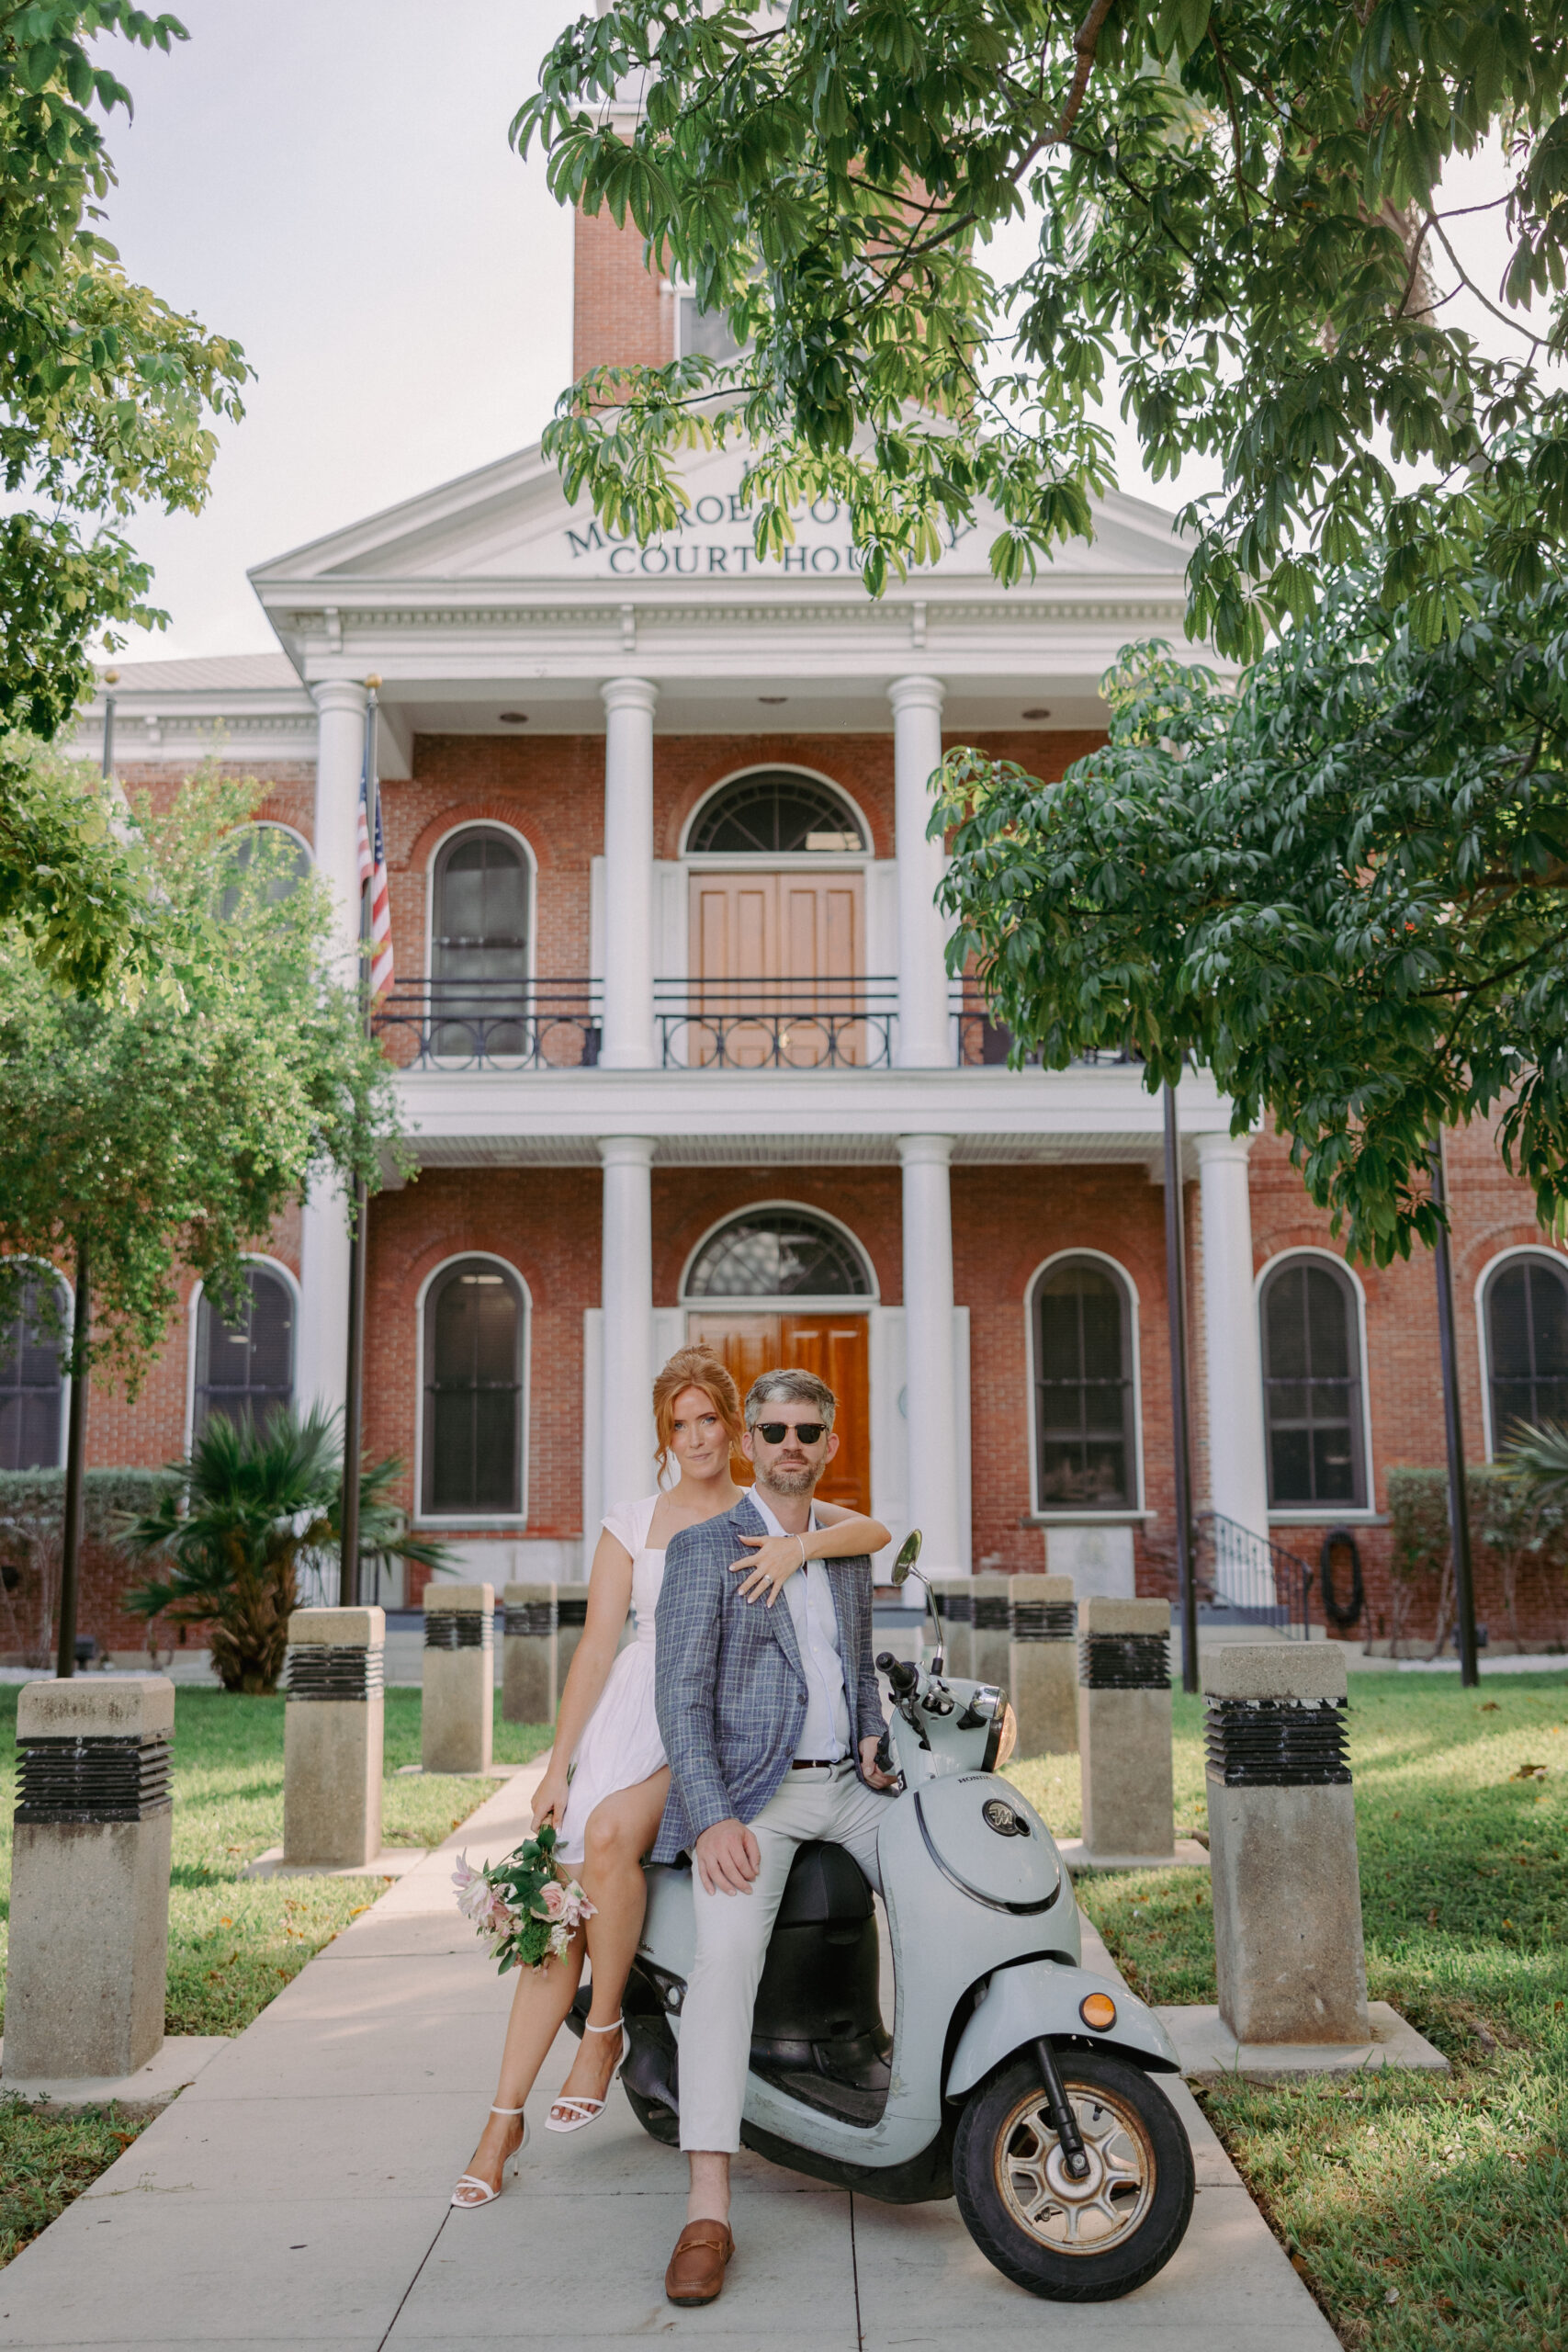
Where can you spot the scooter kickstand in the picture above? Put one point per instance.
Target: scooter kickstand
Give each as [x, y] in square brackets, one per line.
[1064, 2123]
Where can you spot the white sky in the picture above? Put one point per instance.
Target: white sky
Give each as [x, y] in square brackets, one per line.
[330, 182]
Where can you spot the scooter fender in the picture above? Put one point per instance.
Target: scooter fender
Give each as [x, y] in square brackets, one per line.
[1039, 1997]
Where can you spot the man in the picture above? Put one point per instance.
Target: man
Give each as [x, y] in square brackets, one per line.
[763, 1712]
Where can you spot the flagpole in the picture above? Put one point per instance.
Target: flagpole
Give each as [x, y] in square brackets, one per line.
[354, 1384]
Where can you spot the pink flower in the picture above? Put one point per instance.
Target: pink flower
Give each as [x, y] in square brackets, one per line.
[552, 1901]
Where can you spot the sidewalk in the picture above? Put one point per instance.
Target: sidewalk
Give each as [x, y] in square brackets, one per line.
[297, 2194]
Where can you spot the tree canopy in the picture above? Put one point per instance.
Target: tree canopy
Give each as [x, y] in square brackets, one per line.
[1341, 886]
[1240, 236]
[168, 1133]
[107, 395]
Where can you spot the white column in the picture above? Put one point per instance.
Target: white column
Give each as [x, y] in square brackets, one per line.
[627, 1293]
[924, 1041]
[340, 763]
[930, 1390]
[1238, 1479]
[628, 876]
[321, 1340]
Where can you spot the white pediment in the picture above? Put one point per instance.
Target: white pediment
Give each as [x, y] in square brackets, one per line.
[510, 523]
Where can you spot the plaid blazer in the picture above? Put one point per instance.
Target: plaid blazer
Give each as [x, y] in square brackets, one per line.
[729, 1684]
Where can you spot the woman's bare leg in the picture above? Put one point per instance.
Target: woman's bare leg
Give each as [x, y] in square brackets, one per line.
[539, 2004]
[620, 1830]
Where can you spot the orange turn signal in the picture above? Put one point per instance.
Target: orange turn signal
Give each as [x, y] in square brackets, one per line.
[1099, 2010]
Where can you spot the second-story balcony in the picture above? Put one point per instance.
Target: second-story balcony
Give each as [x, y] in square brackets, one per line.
[814, 1023]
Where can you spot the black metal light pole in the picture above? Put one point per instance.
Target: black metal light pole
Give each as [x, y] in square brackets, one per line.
[76, 1421]
[354, 1384]
[1180, 1420]
[75, 1456]
[1454, 1430]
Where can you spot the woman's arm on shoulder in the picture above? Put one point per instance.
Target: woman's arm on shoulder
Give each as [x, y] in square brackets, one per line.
[844, 1533]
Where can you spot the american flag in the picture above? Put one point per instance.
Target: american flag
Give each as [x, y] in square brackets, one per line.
[373, 869]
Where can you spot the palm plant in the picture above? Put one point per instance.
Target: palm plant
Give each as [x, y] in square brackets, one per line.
[250, 1503]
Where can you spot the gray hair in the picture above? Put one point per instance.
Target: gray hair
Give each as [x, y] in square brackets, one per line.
[790, 1387]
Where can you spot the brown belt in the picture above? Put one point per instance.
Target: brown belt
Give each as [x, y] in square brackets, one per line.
[817, 1763]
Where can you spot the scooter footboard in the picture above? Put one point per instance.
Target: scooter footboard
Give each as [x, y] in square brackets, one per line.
[1041, 1997]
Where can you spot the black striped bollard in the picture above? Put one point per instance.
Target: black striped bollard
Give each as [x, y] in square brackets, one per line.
[1287, 1950]
[89, 1940]
[528, 1653]
[458, 1701]
[990, 1628]
[333, 1735]
[572, 1615]
[1042, 1666]
[1129, 1813]
[953, 1603]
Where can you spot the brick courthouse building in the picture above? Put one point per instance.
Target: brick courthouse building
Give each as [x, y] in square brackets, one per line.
[678, 1056]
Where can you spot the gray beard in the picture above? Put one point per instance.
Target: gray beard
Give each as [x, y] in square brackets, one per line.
[788, 1484]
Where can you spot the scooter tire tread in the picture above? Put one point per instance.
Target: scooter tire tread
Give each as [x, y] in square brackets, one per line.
[1076, 2279]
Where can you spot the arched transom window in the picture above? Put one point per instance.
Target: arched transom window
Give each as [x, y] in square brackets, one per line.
[1527, 1343]
[245, 1367]
[775, 813]
[778, 1253]
[1312, 1385]
[30, 1382]
[473, 1391]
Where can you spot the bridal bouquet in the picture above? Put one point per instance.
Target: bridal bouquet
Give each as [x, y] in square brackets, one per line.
[525, 1912]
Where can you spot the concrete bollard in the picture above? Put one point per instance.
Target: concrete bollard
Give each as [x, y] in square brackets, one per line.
[1042, 1666]
[89, 1952]
[1129, 1810]
[952, 1599]
[990, 1628]
[572, 1615]
[333, 1733]
[1287, 1950]
[528, 1654]
[458, 1704]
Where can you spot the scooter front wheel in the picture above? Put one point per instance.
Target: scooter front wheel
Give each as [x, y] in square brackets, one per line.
[1073, 2240]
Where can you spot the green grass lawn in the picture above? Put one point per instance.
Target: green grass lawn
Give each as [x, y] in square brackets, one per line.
[1425, 2212]
[232, 1941]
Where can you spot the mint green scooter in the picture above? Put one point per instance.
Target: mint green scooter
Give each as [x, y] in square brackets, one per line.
[1013, 2079]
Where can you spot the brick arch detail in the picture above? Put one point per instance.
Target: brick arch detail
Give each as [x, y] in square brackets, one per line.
[687, 768]
[417, 1266]
[421, 849]
[1503, 1233]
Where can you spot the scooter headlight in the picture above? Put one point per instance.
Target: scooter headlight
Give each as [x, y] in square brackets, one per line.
[1003, 1735]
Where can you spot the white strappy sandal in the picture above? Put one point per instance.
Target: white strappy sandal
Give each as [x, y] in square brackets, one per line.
[487, 2195]
[585, 2111]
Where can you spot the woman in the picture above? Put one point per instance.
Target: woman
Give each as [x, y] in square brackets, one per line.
[607, 1779]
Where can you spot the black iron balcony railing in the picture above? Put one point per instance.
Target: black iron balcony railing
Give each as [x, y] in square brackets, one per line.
[983, 1041]
[492, 1024]
[812, 1023]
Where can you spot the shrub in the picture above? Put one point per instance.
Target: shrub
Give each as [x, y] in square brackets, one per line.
[33, 1526]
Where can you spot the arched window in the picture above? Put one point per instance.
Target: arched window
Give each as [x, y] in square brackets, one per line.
[778, 1253]
[773, 813]
[473, 1391]
[1086, 1445]
[245, 1368]
[1312, 1385]
[1527, 1343]
[479, 944]
[30, 1381]
[287, 863]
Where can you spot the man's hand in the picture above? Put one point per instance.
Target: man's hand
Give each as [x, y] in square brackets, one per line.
[874, 1778]
[729, 1857]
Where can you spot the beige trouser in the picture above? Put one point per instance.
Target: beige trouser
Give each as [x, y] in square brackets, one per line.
[732, 1942]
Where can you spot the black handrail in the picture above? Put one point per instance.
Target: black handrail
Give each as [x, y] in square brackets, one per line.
[1255, 1578]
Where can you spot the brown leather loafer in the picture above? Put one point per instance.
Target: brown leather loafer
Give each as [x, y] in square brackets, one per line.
[696, 2267]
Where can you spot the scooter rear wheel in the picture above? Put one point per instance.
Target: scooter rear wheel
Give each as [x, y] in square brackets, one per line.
[1072, 2242]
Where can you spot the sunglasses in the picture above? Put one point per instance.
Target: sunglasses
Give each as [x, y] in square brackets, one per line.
[776, 1433]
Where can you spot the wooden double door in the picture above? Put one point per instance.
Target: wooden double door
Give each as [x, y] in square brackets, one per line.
[836, 1348]
[776, 961]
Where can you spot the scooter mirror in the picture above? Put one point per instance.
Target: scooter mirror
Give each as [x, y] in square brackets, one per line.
[908, 1553]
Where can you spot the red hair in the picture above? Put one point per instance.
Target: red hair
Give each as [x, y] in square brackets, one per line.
[694, 1368]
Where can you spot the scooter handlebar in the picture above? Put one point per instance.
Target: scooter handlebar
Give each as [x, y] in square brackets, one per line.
[902, 1674]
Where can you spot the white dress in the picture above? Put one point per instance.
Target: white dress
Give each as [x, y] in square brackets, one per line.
[620, 1744]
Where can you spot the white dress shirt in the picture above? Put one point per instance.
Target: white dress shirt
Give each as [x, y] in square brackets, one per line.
[826, 1731]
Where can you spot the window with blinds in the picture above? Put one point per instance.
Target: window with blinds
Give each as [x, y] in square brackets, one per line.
[1312, 1386]
[1085, 1440]
[1527, 1344]
[473, 1391]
